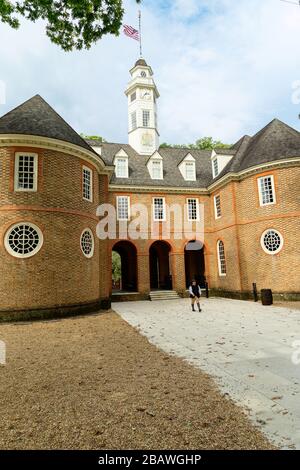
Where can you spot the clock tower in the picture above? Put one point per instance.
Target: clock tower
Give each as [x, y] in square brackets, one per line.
[142, 97]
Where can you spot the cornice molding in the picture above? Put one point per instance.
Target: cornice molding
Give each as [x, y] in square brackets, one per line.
[14, 140]
[239, 176]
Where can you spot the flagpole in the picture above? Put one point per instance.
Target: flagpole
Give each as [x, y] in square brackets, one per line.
[140, 31]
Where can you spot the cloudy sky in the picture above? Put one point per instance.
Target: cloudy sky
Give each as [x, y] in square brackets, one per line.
[224, 68]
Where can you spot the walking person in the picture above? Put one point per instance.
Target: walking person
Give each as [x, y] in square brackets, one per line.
[195, 294]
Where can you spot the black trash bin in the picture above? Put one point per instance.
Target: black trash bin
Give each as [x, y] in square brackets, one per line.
[266, 297]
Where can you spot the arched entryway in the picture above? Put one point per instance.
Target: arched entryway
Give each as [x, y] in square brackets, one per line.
[160, 272]
[194, 262]
[124, 267]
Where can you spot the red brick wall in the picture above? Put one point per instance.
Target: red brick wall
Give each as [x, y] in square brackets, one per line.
[59, 274]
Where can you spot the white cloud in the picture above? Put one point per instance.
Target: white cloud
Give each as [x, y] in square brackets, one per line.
[224, 73]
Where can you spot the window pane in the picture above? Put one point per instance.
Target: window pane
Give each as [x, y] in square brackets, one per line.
[133, 121]
[87, 184]
[190, 170]
[156, 170]
[26, 172]
[146, 118]
[123, 208]
[218, 206]
[192, 209]
[122, 168]
[216, 167]
[266, 189]
[159, 209]
[222, 259]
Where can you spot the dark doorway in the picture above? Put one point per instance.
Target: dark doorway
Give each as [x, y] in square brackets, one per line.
[194, 263]
[124, 260]
[160, 274]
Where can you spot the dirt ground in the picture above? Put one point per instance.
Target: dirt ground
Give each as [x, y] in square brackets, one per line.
[293, 305]
[95, 383]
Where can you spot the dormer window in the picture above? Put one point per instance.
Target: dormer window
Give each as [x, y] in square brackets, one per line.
[121, 164]
[155, 167]
[188, 168]
[157, 170]
[122, 167]
[190, 173]
[215, 165]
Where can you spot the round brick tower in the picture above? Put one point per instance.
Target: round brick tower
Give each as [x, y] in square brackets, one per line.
[52, 182]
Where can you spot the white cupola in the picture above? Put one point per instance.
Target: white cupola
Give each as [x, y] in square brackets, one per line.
[142, 109]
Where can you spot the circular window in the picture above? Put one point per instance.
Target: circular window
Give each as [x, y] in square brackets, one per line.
[143, 74]
[23, 240]
[87, 243]
[271, 241]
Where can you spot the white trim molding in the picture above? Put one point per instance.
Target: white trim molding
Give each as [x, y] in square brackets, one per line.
[274, 238]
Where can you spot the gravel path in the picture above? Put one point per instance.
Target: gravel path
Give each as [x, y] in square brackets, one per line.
[95, 383]
[252, 351]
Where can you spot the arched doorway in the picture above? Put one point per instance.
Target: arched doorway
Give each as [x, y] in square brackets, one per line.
[124, 266]
[194, 263]
[160, 272]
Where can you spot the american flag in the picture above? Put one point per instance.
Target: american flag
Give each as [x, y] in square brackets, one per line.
[131, 32]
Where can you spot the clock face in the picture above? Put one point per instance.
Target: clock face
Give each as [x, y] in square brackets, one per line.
[147, 140]
[145, 95]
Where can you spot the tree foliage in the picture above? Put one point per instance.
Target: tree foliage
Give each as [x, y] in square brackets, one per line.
[72, 24]
[205, 143]
[92, 137]
[116, 267]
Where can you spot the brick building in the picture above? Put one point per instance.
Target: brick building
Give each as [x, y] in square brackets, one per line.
[228, 216]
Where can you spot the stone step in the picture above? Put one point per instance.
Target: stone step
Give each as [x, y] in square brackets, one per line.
[164, 295]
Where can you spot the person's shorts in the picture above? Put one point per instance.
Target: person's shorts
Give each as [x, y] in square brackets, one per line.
[194, 297]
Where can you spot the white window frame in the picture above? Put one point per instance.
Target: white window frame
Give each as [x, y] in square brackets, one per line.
[259, 181]
[263, 244]
[144, 111]
[90, 171]
[221, 274]
[164, 209]
[197, 209]
[119, 198]
[133, 120]
[161, 171]
[35, 174]
[21, 255]
[117, 169]
[191, 164]
[217, 216]
[91, 254]
[216, 171]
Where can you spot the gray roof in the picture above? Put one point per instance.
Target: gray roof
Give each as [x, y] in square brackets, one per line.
[276, 141]
[172, 157]
[36, 117]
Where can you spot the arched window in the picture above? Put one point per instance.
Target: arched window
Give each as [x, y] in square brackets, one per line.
[221, 258]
